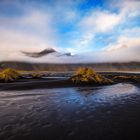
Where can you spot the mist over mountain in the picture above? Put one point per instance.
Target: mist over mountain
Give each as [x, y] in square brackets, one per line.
[118, 53]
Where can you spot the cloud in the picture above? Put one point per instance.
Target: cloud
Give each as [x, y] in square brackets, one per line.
[133, 32]
[125, 49]
[62, 25]
[88, 27]
[100, 21]
[32, 21]
[130, 7]
[104, 21]
[12, 40]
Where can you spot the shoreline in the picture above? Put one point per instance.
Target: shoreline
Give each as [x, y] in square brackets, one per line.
[42, 84]
[61, 81]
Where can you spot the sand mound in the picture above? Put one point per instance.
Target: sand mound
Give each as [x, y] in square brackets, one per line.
[9, 75]
[88, 75]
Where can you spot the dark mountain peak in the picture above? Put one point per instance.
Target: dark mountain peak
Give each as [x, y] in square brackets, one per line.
[39, 54]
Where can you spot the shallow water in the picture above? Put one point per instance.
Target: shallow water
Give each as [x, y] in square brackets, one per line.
[74, 113]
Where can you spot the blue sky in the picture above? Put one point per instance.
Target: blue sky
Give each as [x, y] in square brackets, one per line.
[91, 29]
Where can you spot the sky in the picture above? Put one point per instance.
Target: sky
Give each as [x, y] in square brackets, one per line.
[91, 30]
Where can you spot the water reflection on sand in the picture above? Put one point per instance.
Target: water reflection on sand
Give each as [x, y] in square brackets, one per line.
[63, 112]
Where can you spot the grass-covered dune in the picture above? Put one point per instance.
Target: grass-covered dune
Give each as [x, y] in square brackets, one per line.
[12, 75]
[9, 75]
[89, 76]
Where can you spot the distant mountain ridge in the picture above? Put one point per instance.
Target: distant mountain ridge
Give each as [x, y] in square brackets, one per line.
[129, 66]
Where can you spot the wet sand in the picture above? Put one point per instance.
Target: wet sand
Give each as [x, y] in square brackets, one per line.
[78, 113]
[29, 84]
[35, 84]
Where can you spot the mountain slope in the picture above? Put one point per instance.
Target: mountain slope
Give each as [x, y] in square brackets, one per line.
[130, 66]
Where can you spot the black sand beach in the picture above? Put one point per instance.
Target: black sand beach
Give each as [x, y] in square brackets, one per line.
[47, 110]
[58, 80]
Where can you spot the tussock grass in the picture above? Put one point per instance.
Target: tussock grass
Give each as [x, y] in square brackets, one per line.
[9, 75]
[88, 75]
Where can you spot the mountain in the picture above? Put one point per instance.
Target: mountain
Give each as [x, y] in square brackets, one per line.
[44, 52]
[39, 54]
[129, 66]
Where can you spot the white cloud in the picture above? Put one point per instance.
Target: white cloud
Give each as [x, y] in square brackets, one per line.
[95, 22]
[13, 40]
[32, 21]
[103, 21]
[123, 42]
[107, 21]
[35, 18]
[130, 8]
[100, 21]
[125, 49]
